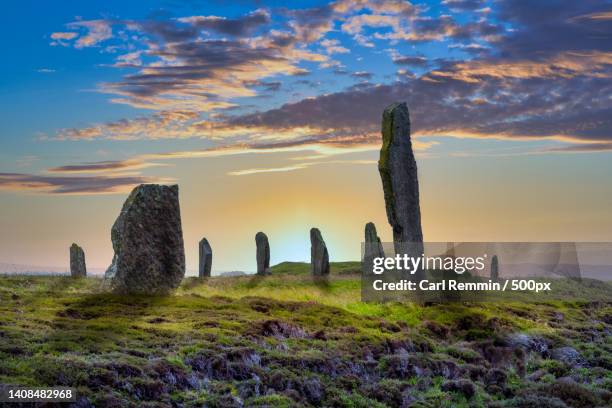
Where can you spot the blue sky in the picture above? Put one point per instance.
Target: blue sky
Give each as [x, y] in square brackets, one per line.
[100, 96]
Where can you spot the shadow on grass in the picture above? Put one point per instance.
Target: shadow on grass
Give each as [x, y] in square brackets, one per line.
[255, 281]
[61, 283]
[322, 282]
[101, 323]
[193, 282]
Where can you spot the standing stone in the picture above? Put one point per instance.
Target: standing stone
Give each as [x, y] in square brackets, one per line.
[398, 171]
[450, 249]
[205, 258]
[372, 248]
[262, 253]
[494, 268]
[77, 262]
[319, 258]
[148, 242]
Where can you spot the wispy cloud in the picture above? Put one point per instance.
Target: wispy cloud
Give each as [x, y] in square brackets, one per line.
[72, 185]
[295, 167]
[104, 166]
[532, 72]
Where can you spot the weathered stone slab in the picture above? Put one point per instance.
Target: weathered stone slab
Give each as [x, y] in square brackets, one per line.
[148, 242]
[77, 262]
[262, 253]
[372, 247]
[319, 257]
[398, 172]
[205, 259]
[494, 268]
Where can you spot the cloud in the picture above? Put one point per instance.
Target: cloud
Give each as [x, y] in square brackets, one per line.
[45, 70]
[62, 38]
[464, 4]
[239, 27]
[532, 71]
[527, 86]
[161, 125]
[72, 185]
[498, 107]
[268, 170]
[174, 66]
[103, 166]
[295, 167]
[362, 75]
[410, 60]
[202, 75]
[334, 47]
[96, 31]
[63, 35]
[582, 148]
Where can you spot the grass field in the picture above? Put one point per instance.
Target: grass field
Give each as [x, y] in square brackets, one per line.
[288, 340]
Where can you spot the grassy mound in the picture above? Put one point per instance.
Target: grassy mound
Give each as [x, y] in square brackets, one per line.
[287, 340]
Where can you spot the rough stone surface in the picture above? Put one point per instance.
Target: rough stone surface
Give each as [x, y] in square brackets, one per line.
[148, 242]
[263, 253]
[205, 259]
[567, 355]
[77, 262]
[319, 257]
[372, 247]
[398, 172]
[494, 268]
[527, 342]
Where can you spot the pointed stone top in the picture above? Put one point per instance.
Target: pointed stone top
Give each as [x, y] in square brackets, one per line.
[370, 229]
[401, 107]
[319, 257]
[262, 253]
[315, 234]
[394, 116]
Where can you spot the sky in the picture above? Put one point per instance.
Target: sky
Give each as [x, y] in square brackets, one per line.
[267, 115]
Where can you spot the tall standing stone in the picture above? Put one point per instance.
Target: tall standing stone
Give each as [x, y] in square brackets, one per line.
[372, 247]
[148, 242]
[262, 253]
[319, 257]
[398, 172]
[77, 262]
[205, 259]
[494, 268]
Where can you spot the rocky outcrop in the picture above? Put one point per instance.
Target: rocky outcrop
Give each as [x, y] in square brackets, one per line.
[77, 262]
[372, 247]
[319, 257]
[205, 259]
[262, 253]
[148, 242]
[398, 172]
[567, 355]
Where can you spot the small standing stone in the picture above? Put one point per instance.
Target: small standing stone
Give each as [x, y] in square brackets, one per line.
[450, 249]
[262, 253]
[494, 268]
[372, 247]
[77, 262]
[205, 258]
[148, 242]
[398, 172]
[319, 257]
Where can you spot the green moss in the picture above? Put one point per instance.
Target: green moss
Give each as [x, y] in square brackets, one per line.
[269, 401]
[204, 345]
